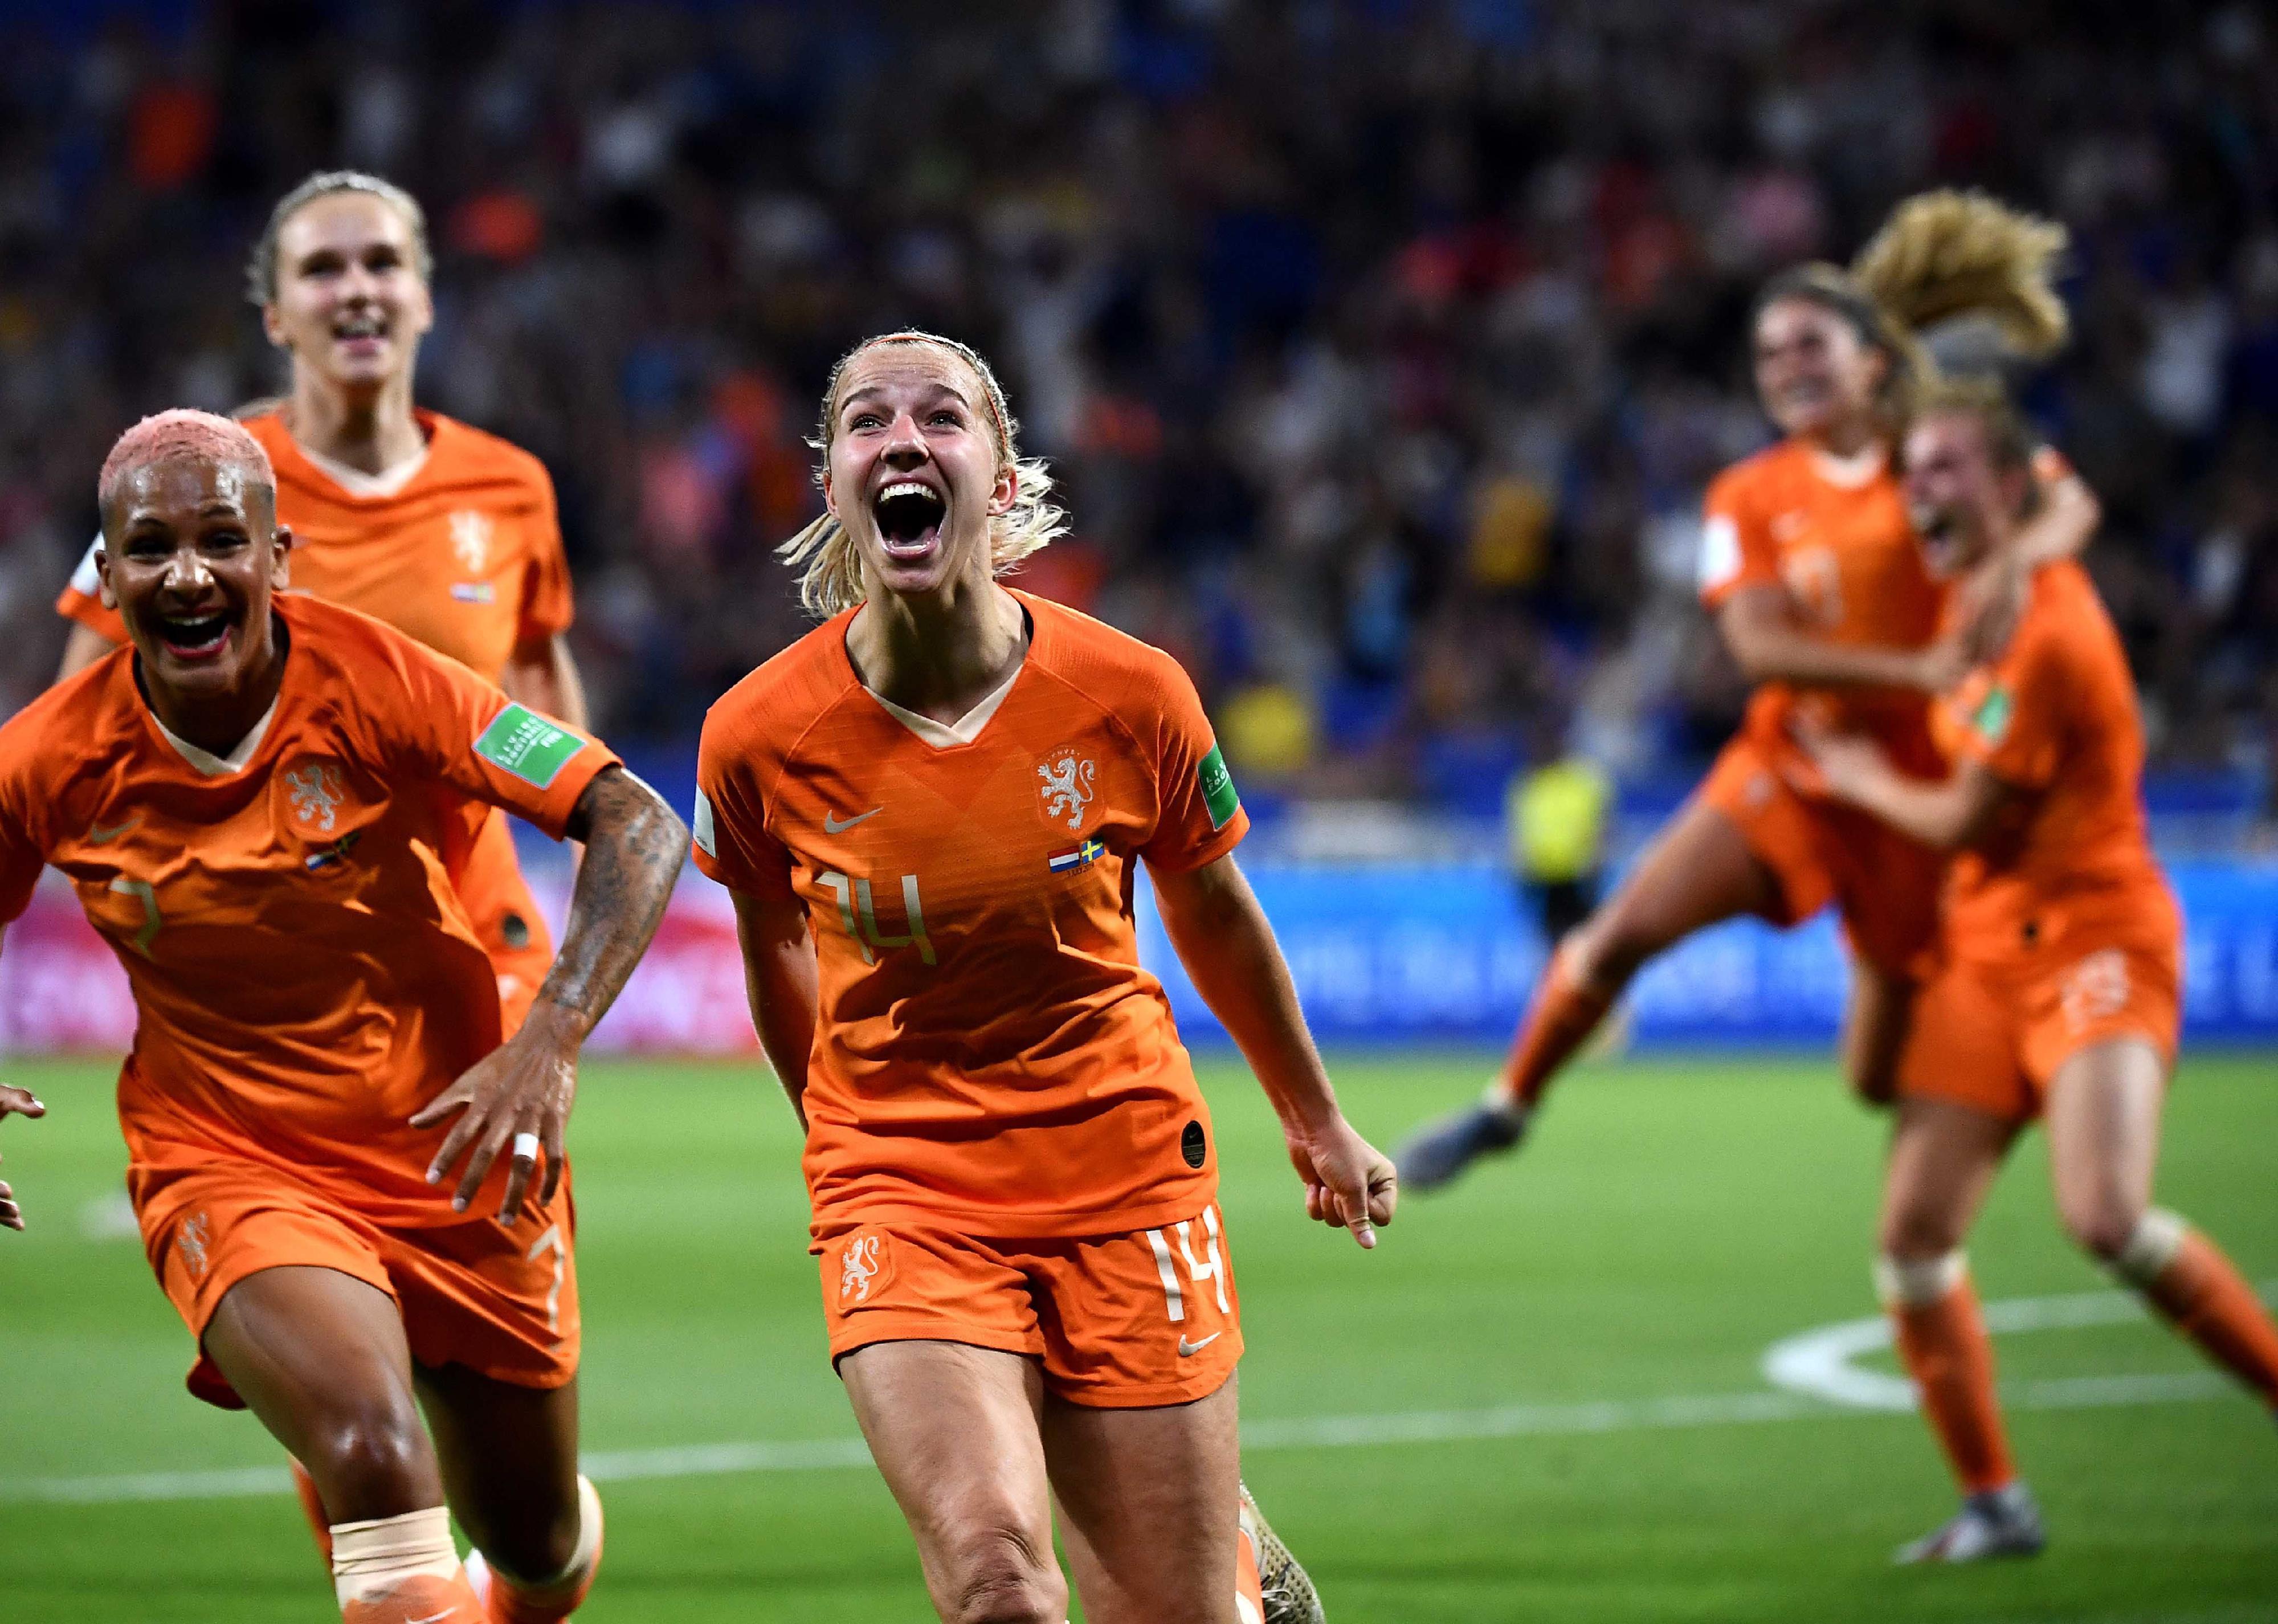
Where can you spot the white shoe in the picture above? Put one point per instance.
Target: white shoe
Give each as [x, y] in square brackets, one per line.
[2001, 1522]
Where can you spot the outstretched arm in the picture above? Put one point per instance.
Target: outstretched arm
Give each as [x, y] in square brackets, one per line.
[634, 847]
[1224, 940]
[784, 983]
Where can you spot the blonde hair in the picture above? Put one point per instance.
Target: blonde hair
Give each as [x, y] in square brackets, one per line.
[261, 265]
[829, 569]
[1942, 260]
[1947, 255]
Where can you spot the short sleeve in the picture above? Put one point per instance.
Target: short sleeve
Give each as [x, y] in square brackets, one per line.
[1736, 549]
[21, 857]
[2015, 721]
[732, 844]
[1199, 815]
[546, 606]
[461, 731]
[81, 599]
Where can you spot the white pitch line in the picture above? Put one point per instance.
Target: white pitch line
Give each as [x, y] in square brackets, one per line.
[1301, 1432]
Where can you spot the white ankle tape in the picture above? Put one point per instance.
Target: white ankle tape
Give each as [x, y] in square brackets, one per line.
[1917, 1284]
[2158, 1236]
[371, 1558]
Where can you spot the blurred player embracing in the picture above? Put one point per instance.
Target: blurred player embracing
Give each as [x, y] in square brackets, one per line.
[932, 809]
[265, 806]
[2058, 990]
[1811, 567]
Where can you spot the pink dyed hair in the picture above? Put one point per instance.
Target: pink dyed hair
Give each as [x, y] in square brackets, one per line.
[195, 436]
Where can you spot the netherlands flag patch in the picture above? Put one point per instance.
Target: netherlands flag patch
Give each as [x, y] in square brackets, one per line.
[1075, 862]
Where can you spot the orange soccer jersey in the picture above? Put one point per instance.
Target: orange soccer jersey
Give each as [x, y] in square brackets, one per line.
[989, 1054]
[304, 970]
[466, 558]
[2059, 928]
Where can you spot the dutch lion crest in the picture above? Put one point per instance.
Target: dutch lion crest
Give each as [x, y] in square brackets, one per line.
[1063, 779]
[859, 1268]
[470, 540]
[316, 794]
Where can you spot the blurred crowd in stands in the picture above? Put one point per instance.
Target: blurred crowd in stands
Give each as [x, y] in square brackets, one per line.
[1384, 346]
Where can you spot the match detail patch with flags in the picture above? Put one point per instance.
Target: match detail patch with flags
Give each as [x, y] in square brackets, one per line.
[522, 742]
[1077, 860]
[1217, 786]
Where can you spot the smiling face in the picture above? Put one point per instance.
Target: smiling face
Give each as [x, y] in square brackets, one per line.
[914, 469]
[350, 302]
[1814, 372]
[1960, 499]
[191, 551]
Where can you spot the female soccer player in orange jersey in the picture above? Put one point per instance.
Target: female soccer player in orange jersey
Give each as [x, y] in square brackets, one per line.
[2058, 980]
[264, 806]
[444, 532]
[932, 810]
[1811, 567]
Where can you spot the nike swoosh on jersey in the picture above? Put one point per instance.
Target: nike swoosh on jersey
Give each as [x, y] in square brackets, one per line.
[832, 826]
[1187, 1349]
[100, 836]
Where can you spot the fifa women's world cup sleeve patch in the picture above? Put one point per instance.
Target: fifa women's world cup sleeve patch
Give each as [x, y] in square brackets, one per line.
[534, 767]
[1216, 784]
[522, 742]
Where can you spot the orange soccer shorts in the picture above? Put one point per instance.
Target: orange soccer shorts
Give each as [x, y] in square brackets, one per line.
[503, 1302]
[506, 919]
[1992, 1037]
[1125, 1321]
[1819, 852]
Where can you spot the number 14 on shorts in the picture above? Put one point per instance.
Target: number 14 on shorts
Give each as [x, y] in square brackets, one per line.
[1207, 1270]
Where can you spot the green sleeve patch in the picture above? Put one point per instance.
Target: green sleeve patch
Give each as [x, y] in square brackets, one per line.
[1217, 786]
[522, 742]
[1993, 716]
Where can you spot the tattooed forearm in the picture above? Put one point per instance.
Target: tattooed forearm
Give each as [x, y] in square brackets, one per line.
[634, 847]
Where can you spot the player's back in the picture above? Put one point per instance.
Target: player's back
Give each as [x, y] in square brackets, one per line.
[990, 1047]
[2056, 717]
[1836, 535]
[305, 974]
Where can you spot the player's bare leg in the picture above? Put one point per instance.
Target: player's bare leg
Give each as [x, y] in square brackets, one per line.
[320, 1357]
[1150, 1501]
[1699, 872]
[2104, 1145]
[1875, 1030]
[1943, 1157]
[509, 1460]
[957, 1433]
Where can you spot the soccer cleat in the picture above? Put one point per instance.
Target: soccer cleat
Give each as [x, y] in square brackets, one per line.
[1288, 1595]
[2000, 1522]
[1434, 1157]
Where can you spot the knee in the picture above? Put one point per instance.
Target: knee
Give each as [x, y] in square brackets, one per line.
[1918, 1233]
[532, 1546]
[1004, 1577]
[2101, 1222]
[372, 1454]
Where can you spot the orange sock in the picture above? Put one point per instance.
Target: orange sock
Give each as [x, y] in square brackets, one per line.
[312, 1507]
[512, 1601]
[1249, 1592]
[421, 1599]
[1564, 1016]
[2186, 1277]
[1941, 1336]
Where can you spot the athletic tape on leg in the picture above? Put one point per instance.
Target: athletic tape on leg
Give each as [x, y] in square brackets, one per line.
[1916, 1282]
[370, 1558]
[2158, 1237]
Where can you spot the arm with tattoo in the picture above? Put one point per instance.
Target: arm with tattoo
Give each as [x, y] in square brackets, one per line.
[634, 847]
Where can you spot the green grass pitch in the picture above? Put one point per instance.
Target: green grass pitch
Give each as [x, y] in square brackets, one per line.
[1670, 1222]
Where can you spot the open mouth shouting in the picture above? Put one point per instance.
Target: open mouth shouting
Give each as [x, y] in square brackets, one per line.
[196, 637]
[909, 516]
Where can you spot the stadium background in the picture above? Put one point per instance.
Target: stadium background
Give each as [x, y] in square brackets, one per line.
[1385, 347]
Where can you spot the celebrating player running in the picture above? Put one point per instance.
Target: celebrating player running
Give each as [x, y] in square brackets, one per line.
[2059, 985]
[447, 533]
[350, 1189]
[1811, 569]
[932, 809]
